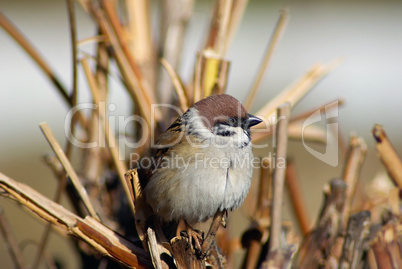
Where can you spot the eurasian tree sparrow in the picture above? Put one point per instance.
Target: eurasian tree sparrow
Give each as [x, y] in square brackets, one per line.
[202, 164]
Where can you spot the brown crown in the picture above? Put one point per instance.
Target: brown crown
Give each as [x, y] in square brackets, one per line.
[218, 107]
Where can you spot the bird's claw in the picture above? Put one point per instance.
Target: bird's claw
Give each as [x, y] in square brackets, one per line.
[195, 236]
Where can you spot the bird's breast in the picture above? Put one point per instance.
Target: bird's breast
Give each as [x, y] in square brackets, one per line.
[194, 184]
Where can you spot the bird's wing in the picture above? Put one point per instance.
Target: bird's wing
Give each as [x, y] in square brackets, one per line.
[168, 139]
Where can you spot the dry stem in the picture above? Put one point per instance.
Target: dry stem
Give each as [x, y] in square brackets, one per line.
[210, 75]
[39, 60]
[111, 141]
[178, 85]
[257, 234]
[298, 201]
[272, 45]
[104, 240]
[356, 155]
[317, 244]
[153, 249]
[141, 45]
[299, 89]
[238, 9]
[388, 155]
[216, 223]
[69, 169]
[224, 13]
[386, 246]
[11, 243]
[335, 104]
[278, 179]
[73, 98]
[173, 25]
[128, 68]
[356, 236]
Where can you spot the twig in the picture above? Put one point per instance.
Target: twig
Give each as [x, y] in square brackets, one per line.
[313, 133]
[62, 176]
[222, 77]
[143, 77]
[272, 45]
[386, 246]
[74, 93]
[257, 234]
[11, 243]
[104, 240]
[296, 132]
[216, 223]
[111, 141]
[252, 243]
[13, 31]
[50, 263]
[197, 79]
[279, 258]
[145, 85]
[298, 201]
[68, 168]
[299, 89]
[356, 154]
[73, 36]
[210, 75]
[184, 256]
[45, 236]
[178, 85]
[326, 107]
[355, 157]
[224, 12]
[356, 237]
[38, 59]
[153, 249]
[140, 30]
[139, 205]
[218, 28]
[93, 157]
[130, 72]
[119, 164]
[110, 138]
[278, 178]
[264, 191]
[54, 164]
[73, 98]
[316, 245]
[173, 26]
[388, 155]
[238, 8]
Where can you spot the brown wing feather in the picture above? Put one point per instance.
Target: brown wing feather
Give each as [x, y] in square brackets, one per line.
[172, 136]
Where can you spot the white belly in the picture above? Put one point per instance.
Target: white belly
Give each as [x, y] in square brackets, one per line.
[201, 184]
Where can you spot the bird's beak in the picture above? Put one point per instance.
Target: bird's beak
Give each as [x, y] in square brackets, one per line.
[253, 120]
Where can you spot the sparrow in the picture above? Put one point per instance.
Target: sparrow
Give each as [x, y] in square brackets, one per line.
[202, 164]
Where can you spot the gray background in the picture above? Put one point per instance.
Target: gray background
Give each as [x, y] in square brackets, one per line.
[366, 34]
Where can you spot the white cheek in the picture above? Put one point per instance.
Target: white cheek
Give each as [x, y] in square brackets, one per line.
[238, 140]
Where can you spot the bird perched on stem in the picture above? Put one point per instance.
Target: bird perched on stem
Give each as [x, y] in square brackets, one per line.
[202, 164]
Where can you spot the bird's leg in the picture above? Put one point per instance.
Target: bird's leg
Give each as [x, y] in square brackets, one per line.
[194, 235]
[217, 221]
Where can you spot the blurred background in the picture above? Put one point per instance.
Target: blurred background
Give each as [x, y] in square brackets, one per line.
[367, 35]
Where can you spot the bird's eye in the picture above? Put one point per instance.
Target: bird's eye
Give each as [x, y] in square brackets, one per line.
[230, 121]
